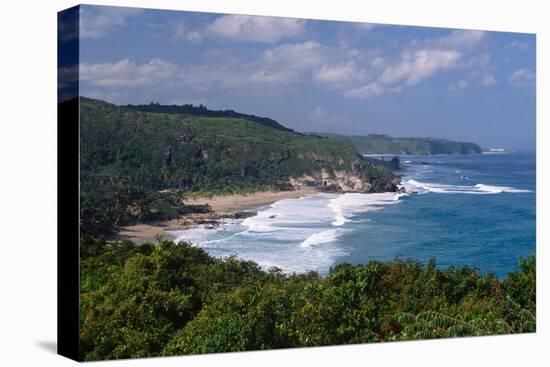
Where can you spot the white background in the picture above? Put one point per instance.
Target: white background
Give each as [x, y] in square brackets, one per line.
[28, 182]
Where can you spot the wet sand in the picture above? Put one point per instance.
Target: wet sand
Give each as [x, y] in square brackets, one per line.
[235, 203]
[222, 206]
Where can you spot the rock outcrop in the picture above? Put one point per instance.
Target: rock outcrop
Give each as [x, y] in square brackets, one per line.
[343, 181]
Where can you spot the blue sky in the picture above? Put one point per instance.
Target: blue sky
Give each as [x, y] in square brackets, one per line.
[350, 78]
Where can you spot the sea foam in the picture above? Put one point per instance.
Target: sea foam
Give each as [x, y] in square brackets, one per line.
[319, 238]
[347, 205]
[479, 189]
[296, 235]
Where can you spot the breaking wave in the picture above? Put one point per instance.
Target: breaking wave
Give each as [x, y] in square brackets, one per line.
[296, 235]
[319, 238]
[479, 189]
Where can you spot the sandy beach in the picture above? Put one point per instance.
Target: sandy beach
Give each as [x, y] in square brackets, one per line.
[235, 203]
[222, 206]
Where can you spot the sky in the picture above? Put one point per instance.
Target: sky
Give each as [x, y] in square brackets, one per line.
[317, 76]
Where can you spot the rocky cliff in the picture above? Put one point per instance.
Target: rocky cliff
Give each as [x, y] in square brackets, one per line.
[177, 149]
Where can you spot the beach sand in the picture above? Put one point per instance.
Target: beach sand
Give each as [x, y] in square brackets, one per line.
[140, 233]
[222, 205]
[235, 203]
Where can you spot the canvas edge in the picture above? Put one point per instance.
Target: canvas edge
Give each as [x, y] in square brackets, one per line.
[68, 185]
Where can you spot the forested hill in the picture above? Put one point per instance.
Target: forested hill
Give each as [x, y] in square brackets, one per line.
[203, 111]
[130, 157]
[383, 144]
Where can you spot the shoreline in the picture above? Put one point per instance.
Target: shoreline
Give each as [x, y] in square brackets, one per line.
[223, 206]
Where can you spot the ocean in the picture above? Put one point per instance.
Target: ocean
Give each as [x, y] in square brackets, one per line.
[476, 210]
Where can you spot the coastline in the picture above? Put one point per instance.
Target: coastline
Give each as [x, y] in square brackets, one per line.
[242, 202]
[223, 206]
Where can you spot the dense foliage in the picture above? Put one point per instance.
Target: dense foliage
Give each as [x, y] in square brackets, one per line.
[165, 299]
[203, 111]
[104, 208]
[141, 163]
[176, 150]
[133, 158]
[383, 144]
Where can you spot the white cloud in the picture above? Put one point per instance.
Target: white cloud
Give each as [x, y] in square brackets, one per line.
[419, 61]
[98, 21]
[461, 84]
[488, 80]
[522, 77]
[299, 55]
[125, 73]
[339, 73]
[373, 89]
[459, 40]
[479, 62]
[256, 28]
[318, 114]
[480, 67]
[378, 62]
[181, 32]
[289, 62]
[418, 65]
[311, 61]
[280, 66]
[356, 73]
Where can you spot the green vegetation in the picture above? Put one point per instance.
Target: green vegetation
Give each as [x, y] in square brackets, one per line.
[203, 111]
[383, 144]
[139, 163]
[165, 299]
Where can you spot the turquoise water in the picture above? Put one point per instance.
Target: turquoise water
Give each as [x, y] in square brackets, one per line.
[490, 231]
[474, 210]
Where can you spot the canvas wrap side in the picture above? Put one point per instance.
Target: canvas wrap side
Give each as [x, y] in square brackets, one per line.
[68, 185]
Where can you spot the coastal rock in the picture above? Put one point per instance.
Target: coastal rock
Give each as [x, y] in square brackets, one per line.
[303, 181]
[210, 219]
[386, 185]
[243, 215]
[344, 181]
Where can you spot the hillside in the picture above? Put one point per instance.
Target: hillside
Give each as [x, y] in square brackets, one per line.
[165, 299]
[203, 111]
[383, 144]
[140, 161]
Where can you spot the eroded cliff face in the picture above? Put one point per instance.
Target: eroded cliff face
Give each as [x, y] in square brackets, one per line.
[344, 181]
